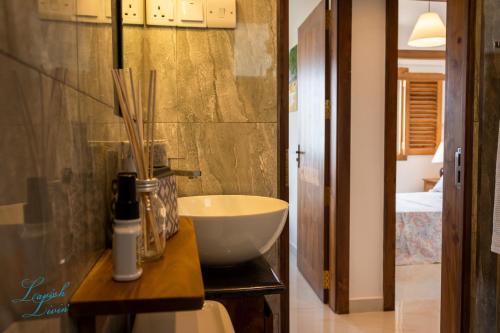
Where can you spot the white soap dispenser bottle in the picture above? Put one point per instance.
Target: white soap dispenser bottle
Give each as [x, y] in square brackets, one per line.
[127, 231]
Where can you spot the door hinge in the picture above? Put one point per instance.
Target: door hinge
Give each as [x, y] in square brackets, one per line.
[328, 19]
[326, 280]
[328, 109]
[286, 168]
[328, 192]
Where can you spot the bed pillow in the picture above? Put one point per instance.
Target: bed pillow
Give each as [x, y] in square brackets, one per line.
[439, 186]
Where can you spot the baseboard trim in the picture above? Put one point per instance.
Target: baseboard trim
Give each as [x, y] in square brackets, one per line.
[366, 304]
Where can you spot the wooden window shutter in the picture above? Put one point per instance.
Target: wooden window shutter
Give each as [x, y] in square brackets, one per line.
[423, 111]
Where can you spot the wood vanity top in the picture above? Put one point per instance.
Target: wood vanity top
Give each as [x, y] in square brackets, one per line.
[172, 284]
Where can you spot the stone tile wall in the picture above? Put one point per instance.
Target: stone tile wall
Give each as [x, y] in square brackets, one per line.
[216, 101]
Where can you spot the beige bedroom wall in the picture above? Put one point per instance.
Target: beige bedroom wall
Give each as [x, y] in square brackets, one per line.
[367, 154]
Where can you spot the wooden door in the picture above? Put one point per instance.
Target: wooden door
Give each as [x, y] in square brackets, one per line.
[455, 267]
[314, 138]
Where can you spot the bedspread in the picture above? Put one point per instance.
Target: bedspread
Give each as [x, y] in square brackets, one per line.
[418, 228]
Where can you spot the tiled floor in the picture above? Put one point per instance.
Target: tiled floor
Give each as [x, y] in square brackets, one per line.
[417, 309]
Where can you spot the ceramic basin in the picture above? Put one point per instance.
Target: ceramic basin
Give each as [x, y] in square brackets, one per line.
[232, 229]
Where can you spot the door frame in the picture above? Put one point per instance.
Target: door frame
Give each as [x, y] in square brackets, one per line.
[282, 156]
[340, 147]
[456, 232]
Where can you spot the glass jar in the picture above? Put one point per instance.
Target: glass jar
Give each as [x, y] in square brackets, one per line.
[153, 219]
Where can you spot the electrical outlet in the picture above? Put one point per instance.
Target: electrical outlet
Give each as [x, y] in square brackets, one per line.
[44, 7]
[67, 8]
[133, 11]
[161, 12]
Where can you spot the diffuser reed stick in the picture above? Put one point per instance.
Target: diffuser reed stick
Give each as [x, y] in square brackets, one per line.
[131, 104]
[152, 89]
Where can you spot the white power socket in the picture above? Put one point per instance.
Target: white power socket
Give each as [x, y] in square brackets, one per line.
[161, 12]
[44, 7]
[67, 8]
[133, 11]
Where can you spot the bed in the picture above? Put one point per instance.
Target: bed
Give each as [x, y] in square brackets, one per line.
[418, 228]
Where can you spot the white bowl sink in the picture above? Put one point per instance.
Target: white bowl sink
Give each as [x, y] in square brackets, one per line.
[232, 229]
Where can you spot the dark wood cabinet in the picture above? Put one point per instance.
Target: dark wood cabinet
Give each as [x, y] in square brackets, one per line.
[242, 290]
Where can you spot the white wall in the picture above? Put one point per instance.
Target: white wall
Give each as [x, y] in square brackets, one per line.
[411, 172]
[367, 157]
[299, 11]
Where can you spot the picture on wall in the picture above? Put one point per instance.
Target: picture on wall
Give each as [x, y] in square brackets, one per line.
[292, 81]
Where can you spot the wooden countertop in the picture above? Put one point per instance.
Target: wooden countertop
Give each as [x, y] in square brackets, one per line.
[172, 284]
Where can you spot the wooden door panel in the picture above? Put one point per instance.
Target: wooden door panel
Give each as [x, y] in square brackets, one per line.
[459, 107]
[312, 83]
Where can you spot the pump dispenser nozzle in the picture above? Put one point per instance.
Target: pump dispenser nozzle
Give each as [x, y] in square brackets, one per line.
[127, 206]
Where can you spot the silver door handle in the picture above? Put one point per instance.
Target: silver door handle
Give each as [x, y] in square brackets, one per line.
[299, 152]
[458, 168]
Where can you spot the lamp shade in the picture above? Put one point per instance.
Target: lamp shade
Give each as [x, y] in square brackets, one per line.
[439, 155]
[429, 31]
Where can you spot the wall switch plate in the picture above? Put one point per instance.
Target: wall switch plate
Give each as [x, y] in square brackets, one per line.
[88, 11]
[108, 10]
[191, 13]
[221, 14]
[161, 12]
[133, 11]
[88, 8]
[56, 9]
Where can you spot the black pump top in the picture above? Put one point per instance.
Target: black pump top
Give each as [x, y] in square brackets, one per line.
[127, 206]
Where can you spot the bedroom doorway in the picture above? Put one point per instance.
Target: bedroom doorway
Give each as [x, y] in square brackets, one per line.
[429, 99]
[419, 182]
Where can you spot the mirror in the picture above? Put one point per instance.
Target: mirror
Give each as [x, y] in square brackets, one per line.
[57, 104]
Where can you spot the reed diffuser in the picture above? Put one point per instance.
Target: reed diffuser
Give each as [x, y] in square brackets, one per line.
[141, 137]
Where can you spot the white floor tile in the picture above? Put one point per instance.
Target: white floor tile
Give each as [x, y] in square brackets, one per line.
[417, 310]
